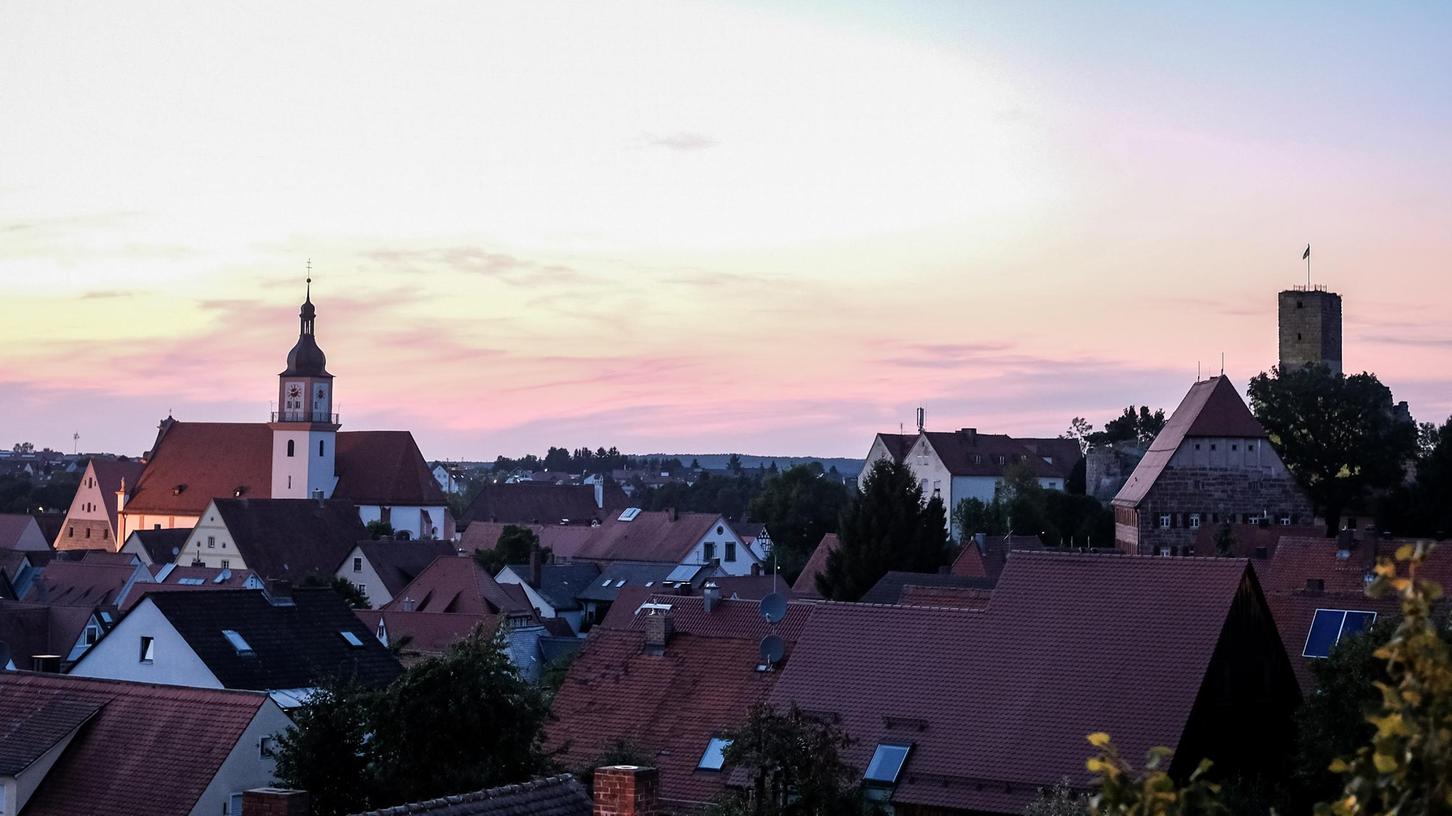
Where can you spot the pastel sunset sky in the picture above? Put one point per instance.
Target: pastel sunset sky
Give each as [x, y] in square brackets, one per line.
[705, 226]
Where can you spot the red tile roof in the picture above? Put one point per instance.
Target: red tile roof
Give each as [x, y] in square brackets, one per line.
[80, 583]
[140, 732]
[456, 583]
[1294, 611]
[109, 474]
[1212, 408]
[650, 536]
[666, 706]
[215, 459]
[399, 562]
[969, 563]
[806, 584]
[1297, 560]
[13, 526]
[530, 503]
[39, 629]
[421, 635]
[1054, 620]
[955, 597]
[552, 796]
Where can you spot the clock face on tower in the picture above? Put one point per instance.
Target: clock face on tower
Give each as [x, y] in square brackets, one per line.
[294, 391]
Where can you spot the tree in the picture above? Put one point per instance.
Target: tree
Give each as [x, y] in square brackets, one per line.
[379, 529]
[326, 751]
[1079, 431]
[1338, 435]
[1425, 507]
[795, 763]
[514, 547]
[355, 596]
[1132, 425]
[557, 460]
[458, 722]
[884, 529]
[733, 463]
[1407, 766]
[1124, 792]
[974, 515]
[798, 507]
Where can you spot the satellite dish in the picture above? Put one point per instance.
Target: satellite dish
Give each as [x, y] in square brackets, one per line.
[4, 654]
[772, 648]
[773, 608]
[175, 551]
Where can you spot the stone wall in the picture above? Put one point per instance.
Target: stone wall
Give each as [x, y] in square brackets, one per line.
[1218, 496]
[1310, 328]
[1107, 468]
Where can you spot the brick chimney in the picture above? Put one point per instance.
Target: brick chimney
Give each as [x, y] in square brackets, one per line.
[626, 790]
[274, 802]
[659, 626]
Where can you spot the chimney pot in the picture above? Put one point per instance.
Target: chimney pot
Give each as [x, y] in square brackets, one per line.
[711, 596]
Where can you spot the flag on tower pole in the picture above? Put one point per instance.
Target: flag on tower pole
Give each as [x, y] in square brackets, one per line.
[1306, 256]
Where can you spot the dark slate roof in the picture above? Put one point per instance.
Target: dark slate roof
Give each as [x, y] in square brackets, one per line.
[608, 585]
[897, 445]
[399, 562]
[888, 589]
[555, 648]
[661, 536]
[291, 538]
[456, 583]
[140, 731]
[80, 583]
[969, 453]
[297, 646]
[559, 795]
[110, 474]
[385, 468]
[561, 584]
[1212, 408]
[529, 503]
[163, 546]
[37, 629]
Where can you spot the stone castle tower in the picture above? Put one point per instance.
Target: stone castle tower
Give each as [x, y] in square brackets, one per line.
[1310, 328]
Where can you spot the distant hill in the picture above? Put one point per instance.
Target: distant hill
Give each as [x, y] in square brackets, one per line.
[717, 461]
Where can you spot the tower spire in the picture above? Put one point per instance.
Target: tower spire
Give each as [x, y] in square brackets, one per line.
[309, 297]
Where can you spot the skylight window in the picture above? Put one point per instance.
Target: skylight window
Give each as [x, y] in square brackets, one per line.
[238, 642]
[605, 583]
[886, 764]
[715, 755]
[191, 581]
[352, 639]
[620, 583]
[629, 514]
[1330, 626]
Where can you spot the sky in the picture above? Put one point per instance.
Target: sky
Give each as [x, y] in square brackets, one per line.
[761, 227]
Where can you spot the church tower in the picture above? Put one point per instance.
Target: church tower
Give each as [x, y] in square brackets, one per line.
[304, 427]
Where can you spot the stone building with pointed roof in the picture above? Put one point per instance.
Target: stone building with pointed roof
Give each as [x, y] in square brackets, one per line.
[1212, 464]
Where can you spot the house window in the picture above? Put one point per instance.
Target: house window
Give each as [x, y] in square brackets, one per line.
[731, 551]
[234, 805]
[720, 530]
[708, 550]
[238, 642]
[1194, 521]
[1164, 521]
[70, 532]
[320, 447]
[226, 563]
[1212, 446]
[105, 534]
[211, 542]
[1286, 520]
[1250, 447]
[148, 649]
[357, 564]
[88, 532]
[714, 756]
[886, 764]
[290, 447]
[266, 748]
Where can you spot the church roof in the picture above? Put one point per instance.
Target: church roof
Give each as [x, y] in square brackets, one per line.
[195, 462]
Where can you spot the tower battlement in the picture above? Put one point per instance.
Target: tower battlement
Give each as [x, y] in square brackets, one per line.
[1310, 328]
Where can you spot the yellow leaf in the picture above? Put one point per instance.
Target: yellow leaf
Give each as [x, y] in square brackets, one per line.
[1339, 765]
[1385, 763]
[1098, 739]
[1404, 552]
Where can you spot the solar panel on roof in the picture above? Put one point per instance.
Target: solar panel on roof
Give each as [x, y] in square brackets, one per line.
[684, 572]
[1329, 626]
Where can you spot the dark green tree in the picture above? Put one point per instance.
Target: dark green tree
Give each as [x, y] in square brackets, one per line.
[1340, 436]
[795, 764]
[798, 507]
[326, 751]
[1132, 425]
[514, 546]
[884, 529]
[355, 596]
[458, 722]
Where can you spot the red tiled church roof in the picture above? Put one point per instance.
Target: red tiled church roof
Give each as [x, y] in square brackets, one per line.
[194, 462]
